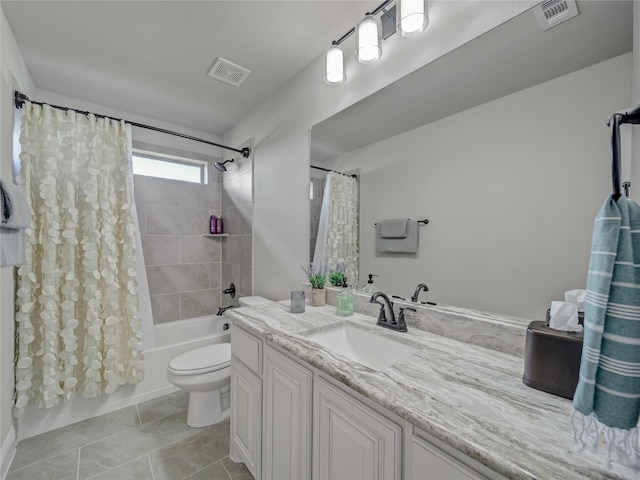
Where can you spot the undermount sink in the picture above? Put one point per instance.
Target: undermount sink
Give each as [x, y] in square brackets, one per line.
[364, 347]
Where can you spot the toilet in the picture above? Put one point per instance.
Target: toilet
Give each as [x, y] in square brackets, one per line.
[205, 372]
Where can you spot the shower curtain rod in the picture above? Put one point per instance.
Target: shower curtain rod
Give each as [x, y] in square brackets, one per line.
[334, 171]
[20, 98]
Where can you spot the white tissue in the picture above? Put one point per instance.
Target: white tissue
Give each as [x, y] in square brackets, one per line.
[576, 297]
[564, 316]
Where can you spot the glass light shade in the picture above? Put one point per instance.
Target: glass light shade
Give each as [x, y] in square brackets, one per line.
[368, 48]
[334, 66]
[411, 17]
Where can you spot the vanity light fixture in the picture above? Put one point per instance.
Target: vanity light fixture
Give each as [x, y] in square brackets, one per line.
[411, 17]
[334, 65]
[368, 49]
[411, 20]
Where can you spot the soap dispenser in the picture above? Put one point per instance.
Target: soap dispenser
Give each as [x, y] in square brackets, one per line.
[370, 288]
[344, 300]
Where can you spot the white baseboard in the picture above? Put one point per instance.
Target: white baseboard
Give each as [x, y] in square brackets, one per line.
[8, 451]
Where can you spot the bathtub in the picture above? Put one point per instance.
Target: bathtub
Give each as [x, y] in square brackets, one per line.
[171, 339]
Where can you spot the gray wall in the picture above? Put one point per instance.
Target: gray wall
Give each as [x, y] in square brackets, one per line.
[510, 187]
[183, 267]
[237, 215]
[316, 206]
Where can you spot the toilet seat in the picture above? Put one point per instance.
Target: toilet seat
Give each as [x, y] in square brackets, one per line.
[202, 360]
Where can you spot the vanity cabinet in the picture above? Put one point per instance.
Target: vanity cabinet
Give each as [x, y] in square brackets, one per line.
[350, 440]
[427, 461]
[246, 401]
[287, 418]
[289, 422]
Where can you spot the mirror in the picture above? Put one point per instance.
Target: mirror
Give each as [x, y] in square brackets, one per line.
[502, 145]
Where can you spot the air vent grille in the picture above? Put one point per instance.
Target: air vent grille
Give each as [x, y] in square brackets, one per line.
[228, 72]
[553, 12]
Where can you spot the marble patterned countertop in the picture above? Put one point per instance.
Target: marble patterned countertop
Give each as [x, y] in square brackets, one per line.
[470, 397]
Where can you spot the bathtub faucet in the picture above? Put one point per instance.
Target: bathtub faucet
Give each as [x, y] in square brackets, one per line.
[221, 310]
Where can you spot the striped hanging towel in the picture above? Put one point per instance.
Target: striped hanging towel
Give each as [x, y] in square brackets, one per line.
[608, 392]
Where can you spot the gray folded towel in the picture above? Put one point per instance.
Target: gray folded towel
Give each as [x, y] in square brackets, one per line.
[398, 245]
[14, 208]
[395, 228]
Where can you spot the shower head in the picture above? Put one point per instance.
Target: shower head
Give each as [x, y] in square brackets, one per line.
[220, 166]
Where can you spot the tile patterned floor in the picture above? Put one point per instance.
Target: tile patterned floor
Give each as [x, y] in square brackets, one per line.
[149, 441]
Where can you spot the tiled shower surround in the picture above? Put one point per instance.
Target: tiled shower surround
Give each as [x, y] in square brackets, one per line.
[237, 214]
[184, 269]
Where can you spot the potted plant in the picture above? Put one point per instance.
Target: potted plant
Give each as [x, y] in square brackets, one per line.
[317, 276]
[336, 273]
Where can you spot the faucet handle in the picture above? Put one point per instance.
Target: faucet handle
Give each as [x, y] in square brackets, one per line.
[401, 316]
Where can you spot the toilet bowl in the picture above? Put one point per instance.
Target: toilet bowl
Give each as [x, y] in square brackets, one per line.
[204, 372]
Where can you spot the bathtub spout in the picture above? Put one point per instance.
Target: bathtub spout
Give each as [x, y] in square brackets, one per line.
[221, 310]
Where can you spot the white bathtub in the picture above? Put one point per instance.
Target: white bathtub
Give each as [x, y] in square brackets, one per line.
[171, 339]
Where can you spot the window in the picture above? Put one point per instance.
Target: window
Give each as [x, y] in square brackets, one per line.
[169, 166]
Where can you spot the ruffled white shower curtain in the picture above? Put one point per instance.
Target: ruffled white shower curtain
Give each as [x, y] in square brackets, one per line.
[78, 316]
[338, 230]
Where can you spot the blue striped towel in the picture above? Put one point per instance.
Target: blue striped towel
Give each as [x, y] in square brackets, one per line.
[609, 387]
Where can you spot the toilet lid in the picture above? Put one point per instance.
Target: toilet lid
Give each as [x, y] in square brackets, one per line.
[203, 359]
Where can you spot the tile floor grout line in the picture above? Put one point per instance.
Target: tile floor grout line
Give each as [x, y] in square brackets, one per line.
[204, 468]
[78, 466]
[98, 440]
[153, 475]
[138, 412]
[155, 450]
[225, 467]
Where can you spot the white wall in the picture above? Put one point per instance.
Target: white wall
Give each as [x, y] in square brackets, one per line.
[13, 74]
[510, 187]
[280, 127]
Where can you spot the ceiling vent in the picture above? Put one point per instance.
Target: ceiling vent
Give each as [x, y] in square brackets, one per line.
[228, 72]
[553, 12]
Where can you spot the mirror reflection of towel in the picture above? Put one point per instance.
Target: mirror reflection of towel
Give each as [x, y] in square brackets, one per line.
[408, 244]
[395, 228]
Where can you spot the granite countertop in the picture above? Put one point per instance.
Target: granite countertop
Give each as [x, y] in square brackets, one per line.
[470, 397]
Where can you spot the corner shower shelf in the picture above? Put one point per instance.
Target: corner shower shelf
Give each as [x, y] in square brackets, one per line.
[215, 235]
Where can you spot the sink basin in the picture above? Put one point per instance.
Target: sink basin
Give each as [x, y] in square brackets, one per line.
[364, 347]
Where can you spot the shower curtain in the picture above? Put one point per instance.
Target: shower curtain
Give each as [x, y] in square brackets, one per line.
[338, 230]
[78, 315]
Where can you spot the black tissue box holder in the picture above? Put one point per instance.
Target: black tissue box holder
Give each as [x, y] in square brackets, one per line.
[552, 359]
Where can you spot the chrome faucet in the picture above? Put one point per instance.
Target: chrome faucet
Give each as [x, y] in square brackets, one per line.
[419, 288]
[386, 308]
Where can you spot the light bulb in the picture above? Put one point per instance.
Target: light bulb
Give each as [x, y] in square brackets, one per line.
[368, 40]
[412, 17]
[334, 66]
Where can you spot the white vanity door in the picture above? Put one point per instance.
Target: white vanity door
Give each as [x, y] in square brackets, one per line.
[429, 462]
[350, 440]
[287, 418]
[246, 417]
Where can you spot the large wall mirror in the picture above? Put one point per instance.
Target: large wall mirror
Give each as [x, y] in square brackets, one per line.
[502, 145]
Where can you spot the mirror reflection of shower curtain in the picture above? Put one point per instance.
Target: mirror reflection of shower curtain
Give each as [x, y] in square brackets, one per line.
[338, 230]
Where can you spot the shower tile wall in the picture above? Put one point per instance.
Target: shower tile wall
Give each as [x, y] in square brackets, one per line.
[316, 206]
[237, 215]
[183, 267]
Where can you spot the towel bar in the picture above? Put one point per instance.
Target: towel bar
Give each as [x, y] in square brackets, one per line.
[420, 222]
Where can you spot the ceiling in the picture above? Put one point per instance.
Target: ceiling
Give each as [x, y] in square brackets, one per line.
[505, 60]
[152, 57]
